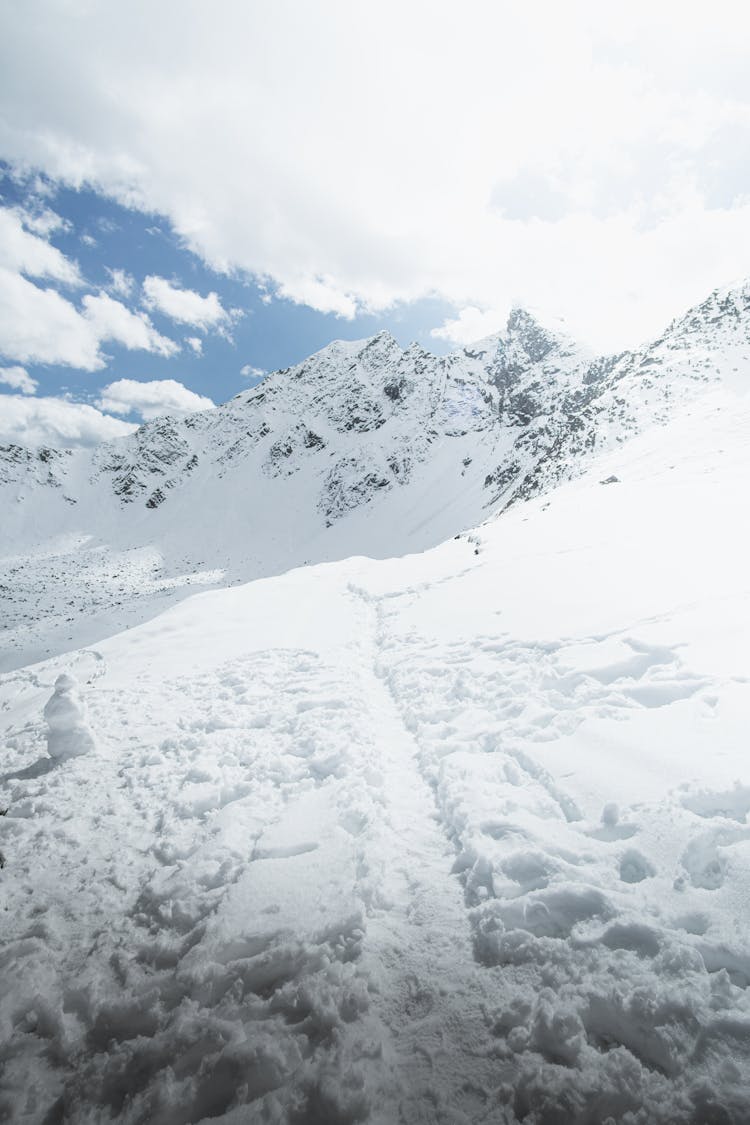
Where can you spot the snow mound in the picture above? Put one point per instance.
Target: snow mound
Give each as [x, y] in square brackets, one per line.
[69, 734]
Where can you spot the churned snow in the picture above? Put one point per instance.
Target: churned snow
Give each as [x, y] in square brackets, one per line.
[461, 836]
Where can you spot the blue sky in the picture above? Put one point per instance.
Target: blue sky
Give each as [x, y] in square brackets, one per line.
[266, 332]
[252, 167]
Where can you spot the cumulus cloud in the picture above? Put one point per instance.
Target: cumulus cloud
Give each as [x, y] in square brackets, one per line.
[19, 379]
[40, 219]
[195, 343]
[121, 282]
[38, 325]
[587, 161]
[111, 320]
[250, 372]
[470, 325]
[23, 251]
[56, 422]
[184, 305]
[151, 399]
[321, 293]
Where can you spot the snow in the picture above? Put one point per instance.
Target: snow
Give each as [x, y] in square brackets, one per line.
[317, 812]
[459, 836]
[65, 712]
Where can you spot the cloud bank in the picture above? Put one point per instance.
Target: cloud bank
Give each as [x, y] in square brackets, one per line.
[587, 160]
[152, 398]
[56, 422]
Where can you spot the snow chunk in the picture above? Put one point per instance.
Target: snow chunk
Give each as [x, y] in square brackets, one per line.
[65, 712]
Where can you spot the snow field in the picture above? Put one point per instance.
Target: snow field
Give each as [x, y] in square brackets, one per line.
[205, 921]
[458, 837]
[620, 961]
[79, 590]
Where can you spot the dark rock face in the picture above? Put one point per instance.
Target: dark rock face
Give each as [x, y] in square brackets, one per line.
[155, 449]
[19, 465]
[348, 485]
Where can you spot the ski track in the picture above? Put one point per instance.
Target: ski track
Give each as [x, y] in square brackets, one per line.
[360, 895]
[418, 948]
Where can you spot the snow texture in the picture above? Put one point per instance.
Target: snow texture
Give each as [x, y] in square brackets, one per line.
[458, 836]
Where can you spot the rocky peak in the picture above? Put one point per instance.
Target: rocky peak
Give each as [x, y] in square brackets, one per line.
[725, 314]
[527, 335]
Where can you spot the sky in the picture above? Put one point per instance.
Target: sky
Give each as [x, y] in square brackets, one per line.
[193, 194]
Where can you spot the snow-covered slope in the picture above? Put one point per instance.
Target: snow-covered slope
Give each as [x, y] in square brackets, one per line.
[457, 837]
[365, 448]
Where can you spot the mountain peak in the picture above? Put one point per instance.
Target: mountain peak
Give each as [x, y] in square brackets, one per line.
[381, 343]
[520, 318]
[538, 335]
[527, 339]
[727, 306]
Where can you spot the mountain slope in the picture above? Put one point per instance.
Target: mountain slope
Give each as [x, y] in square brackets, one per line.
[365, 448]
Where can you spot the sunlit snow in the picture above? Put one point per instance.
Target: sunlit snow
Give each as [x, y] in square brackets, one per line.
[459, 835]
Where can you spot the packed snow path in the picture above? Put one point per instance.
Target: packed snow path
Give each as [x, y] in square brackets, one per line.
[418, 948]
[460, 837]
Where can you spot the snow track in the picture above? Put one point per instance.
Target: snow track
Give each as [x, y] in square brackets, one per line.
[597, 983]
[417, 952]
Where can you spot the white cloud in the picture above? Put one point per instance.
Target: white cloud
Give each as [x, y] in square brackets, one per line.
[184, 305]
[41, 220]
[106, 226]
[251, 372]
[195, 343]
[23, 251]
[151, 399]
[586, 160]
[111, 320]
[39, 326]
[471, 324]
[320, 293]
[56, 422]
[121, 282]
[19, 379]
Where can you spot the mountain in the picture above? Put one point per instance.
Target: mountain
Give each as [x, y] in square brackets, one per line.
[364, 448]
[457, 837]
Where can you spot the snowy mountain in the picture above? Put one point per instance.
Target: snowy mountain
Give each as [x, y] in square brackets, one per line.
[460, 837]
[365, 448]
